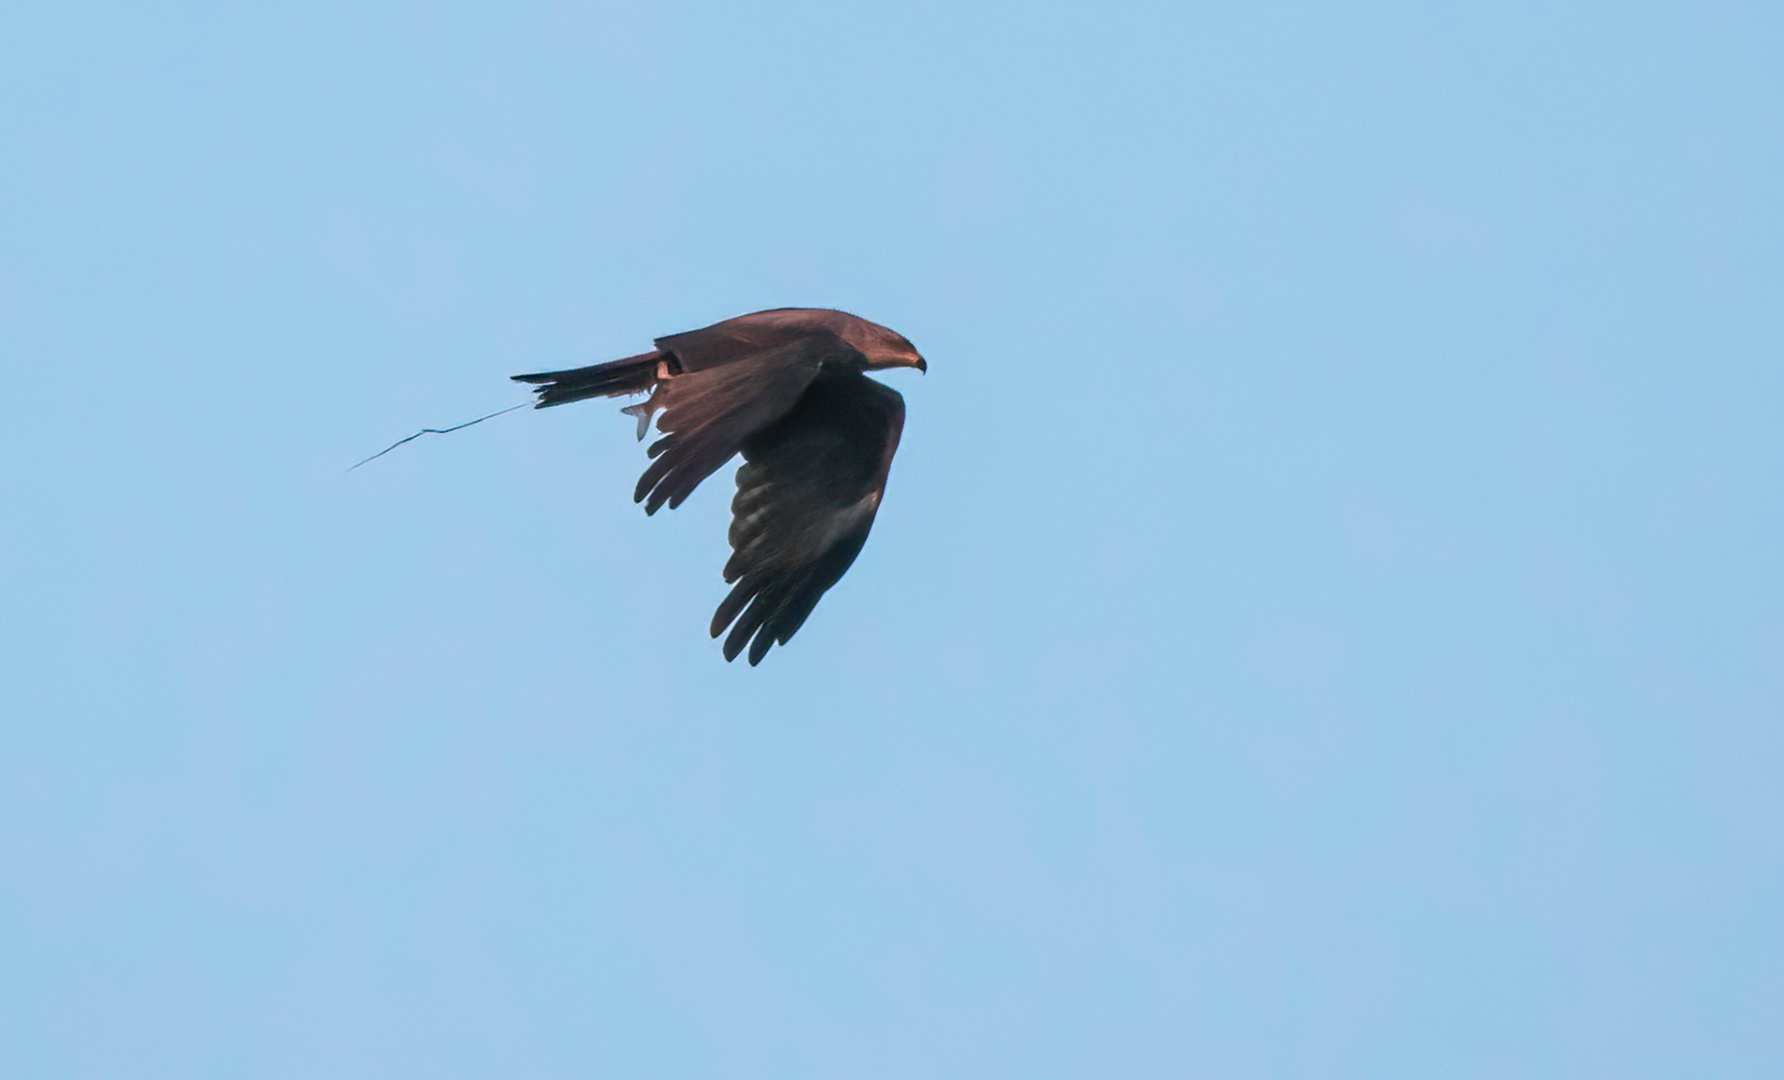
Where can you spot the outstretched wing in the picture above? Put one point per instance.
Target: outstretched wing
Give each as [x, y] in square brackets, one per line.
[708, 414]
[806, 497]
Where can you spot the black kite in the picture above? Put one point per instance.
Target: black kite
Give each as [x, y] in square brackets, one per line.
[784, 388]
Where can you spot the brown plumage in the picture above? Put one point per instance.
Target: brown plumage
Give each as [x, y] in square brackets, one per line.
[786, 389]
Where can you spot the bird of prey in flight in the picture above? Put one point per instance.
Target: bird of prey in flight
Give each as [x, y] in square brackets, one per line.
[785, 389]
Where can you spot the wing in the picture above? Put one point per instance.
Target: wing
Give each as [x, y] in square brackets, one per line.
[718, 344]
[708, 414]
[806, 497]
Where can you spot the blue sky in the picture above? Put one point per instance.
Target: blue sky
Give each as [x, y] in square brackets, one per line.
[1325, 619]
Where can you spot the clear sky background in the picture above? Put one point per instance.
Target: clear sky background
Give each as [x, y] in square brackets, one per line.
[1326, 619]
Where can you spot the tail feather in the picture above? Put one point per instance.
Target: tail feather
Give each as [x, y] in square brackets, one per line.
[633, 375]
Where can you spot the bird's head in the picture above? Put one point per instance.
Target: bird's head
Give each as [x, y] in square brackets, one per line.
[885, 348]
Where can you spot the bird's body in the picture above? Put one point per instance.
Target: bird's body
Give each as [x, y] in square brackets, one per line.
[786, 389]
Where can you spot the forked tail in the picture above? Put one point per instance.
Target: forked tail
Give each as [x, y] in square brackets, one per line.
[633, 375]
